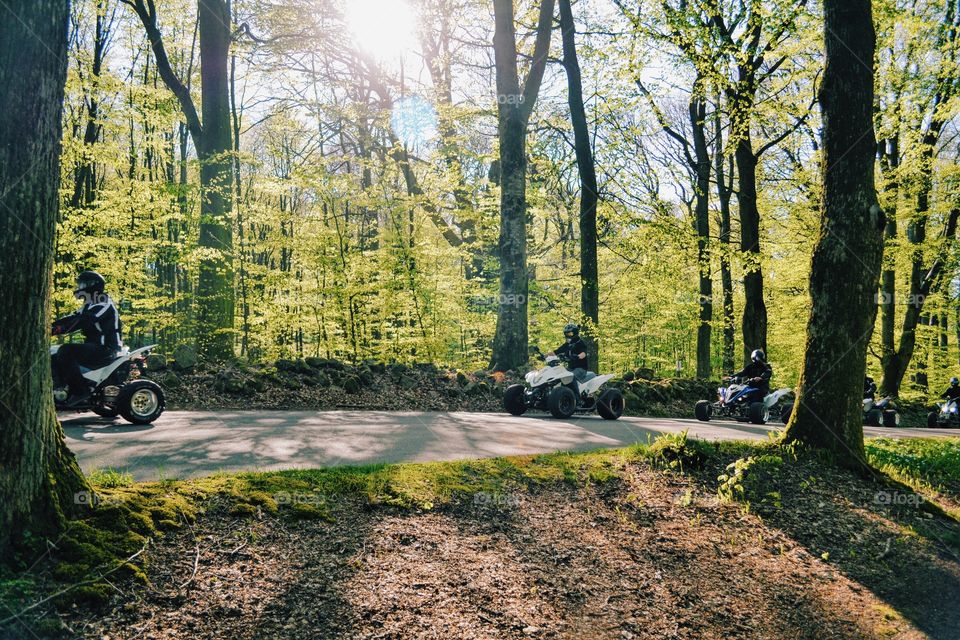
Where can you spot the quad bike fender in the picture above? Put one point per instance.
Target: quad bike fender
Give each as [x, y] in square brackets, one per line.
[99, 375]
[549, 374]
[775, 397]
[593, 385]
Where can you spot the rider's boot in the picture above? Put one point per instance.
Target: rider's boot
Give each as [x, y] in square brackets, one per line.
[77, 399]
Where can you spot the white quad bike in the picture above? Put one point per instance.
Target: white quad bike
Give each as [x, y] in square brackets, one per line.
[555, 389]
[733, 402]
[139, 401]
[947, 416]
[880, 413]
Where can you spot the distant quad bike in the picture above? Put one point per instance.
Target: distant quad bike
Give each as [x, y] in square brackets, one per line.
[946, 417]
[554, 389]
[139, 401]
[880, 412]
[732, 402]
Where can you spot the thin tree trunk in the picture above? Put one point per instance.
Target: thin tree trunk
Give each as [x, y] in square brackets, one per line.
[589, 273]
[698, 116]
[38, 475]
[754, 325]
[829, 413]
[889, 161]
[724, 193]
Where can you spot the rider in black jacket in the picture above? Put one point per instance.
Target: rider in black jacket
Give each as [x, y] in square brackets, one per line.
[953, 391]
[757, 374]
[574, 350]
[99, 321]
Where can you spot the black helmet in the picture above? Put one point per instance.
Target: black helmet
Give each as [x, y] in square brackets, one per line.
[758, 355]
[954, 382]
[90, 283]
[571, 331]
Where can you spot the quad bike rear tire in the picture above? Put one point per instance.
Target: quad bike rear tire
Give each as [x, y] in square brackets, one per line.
[513, 400]
[932, 422]
[785, 412]
[105, 412]
[141, 401]
[891, 418]
[703, 410]
[610, 404]
[758, 413]
[874, 418]
[562, 402]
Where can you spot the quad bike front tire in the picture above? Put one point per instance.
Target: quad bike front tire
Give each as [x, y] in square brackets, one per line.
[891, 418]
[562, 402]
[610, 404]
[703, 410]
[932, 420]
[141, 401]
[785, 412]
[513, 400]
[874, 418]
[758, 413]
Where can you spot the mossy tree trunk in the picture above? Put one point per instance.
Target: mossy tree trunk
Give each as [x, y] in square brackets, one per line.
[38, 475]
[849, 251]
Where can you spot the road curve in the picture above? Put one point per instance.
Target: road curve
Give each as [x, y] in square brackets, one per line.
[189, 444]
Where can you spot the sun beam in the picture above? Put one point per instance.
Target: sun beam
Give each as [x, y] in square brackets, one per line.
[384, 29]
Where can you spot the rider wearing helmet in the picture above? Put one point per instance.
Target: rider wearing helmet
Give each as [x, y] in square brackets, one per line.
[574, 350]
[757, 374]
[869, 388]
[953, 391]
[99, 321]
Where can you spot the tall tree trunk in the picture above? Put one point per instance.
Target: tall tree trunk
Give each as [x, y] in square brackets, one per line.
[237, 193]
[724, 193]
[754, 325]
[38, 475]
[829, 413]
[889, 162]
[215, 293]
[510, 342]
[589, 274]
[702, 168]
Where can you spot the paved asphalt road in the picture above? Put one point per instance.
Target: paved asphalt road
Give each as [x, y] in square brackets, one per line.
[185, 444]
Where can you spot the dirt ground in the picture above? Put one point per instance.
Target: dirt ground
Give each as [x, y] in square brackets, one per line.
[651, 554]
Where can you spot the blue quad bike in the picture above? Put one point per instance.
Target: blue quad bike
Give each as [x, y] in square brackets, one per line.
[734, 402]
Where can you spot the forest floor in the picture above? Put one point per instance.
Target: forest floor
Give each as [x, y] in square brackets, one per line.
[678, 539]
